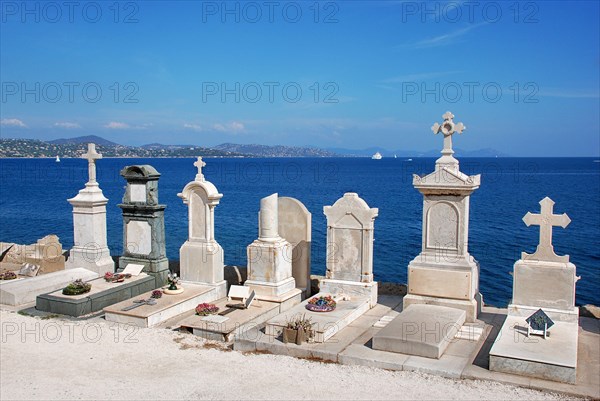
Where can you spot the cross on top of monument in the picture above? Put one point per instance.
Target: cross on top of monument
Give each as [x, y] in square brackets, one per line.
[546, 220]
[91, 157]
[448, 128]
[199, 163]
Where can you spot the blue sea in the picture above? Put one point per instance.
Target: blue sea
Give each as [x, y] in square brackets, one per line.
[34, 193]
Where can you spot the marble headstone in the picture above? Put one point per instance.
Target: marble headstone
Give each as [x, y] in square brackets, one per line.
[270, 257]
[350, 236]
[90, 249]
[295, 225]
[201, 256]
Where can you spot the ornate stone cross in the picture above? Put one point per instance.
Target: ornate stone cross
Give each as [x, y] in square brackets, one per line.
[91, 157]
[199, 163]
[448, 128]
[546, 220]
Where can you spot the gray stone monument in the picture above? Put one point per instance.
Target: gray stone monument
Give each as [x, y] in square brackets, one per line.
[350, 236]
[295, 225]
[270, 258]
[90, 249]
[144, 223]
[542, 280]
[445, 274]
[201, 256]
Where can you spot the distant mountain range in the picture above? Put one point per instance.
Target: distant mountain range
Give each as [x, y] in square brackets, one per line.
[73, 147]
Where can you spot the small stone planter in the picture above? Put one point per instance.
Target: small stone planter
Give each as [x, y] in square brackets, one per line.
[293, 336]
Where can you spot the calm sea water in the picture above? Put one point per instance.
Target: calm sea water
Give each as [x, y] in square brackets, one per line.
[33, 195]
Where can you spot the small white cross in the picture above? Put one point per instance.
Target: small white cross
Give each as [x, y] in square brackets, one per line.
[448, 128]
[546, 220]
[199, 163]
[91, 157]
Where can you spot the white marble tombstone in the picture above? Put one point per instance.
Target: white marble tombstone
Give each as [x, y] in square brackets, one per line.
[544, 279]
[90, 249]
[445, 273]
[201, 256]
[295, 225]
[270, 257]
[350, 228]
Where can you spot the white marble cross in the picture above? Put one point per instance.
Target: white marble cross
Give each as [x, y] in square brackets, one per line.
[91, 157]
[199, 163]
[448, 128]
[546, 220]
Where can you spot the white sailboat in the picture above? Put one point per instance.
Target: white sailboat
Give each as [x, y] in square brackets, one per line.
[57, 159]
[377, 156]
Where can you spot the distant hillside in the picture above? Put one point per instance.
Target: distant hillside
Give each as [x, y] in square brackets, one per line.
[275, 151]
[84, 139]
[36, 148]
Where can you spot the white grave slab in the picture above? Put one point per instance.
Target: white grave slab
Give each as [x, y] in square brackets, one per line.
[25, 291]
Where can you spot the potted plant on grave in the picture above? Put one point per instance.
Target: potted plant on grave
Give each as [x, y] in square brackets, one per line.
[205, 309]
[8, 275]
[174, 288]
[298, 330]
[77, 287]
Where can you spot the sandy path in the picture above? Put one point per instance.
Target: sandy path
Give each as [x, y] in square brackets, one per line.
[58, 360]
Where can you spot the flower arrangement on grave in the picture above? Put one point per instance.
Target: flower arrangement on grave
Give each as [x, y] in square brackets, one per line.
[116, 277]
[206, 309]
[172, 280]
[77, 287]
[8, 276]
[297, 330]
[156, 294]
[321, 304]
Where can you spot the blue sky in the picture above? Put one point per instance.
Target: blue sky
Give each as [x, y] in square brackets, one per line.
[523, 77]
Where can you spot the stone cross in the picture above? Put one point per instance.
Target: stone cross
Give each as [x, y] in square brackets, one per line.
[546, 220]
[91, 157]
[448, 128]
[199, 163]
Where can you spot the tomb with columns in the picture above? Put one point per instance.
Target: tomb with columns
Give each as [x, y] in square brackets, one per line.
[541, 280]
[443, 280]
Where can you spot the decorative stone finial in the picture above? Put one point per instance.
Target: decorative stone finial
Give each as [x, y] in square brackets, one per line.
[448, 128]
[199, 163]
[546, 219]
[91, 157]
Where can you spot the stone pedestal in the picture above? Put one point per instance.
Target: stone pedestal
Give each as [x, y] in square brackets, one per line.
[144, 223]
[90, 249]
[201, 257]
[270, 258]
[444, 273]
[443, 281]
